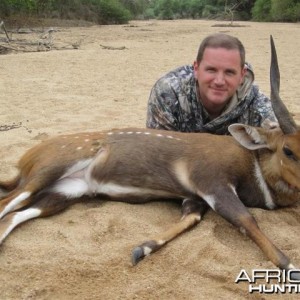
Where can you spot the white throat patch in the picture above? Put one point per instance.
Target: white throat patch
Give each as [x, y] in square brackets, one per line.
[269, 202]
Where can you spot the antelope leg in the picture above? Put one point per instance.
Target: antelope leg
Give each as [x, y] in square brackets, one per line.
[48, 204]
[192, 212]
[227, 204]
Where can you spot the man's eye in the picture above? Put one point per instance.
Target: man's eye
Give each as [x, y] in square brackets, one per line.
[230, 73]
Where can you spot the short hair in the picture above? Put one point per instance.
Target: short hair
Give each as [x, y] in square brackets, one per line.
[222, 40]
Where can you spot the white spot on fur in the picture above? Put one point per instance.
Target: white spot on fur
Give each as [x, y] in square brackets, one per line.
[113, 189]
[12, 204]
[159, 135]
[121, 132]
[64, 146]
[263, 186]
[71, 187]
[291, 267]
[147, 250]
[78, 148]
[169, 137]
[182, 174]
[87, 140]
[129, 132]
[147, 133]
[196, 216]
[76, 137]
[210, 200]
[19, 218]
[110, 133]
[161, 242]
[232, 187]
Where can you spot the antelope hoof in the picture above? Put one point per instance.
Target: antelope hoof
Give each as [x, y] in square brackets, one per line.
[143, 250]
[295, 275]
[137, 255]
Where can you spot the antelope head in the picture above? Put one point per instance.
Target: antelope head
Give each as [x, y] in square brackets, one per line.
[278, 148]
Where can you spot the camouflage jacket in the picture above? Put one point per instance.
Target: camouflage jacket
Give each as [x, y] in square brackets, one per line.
[174, 105]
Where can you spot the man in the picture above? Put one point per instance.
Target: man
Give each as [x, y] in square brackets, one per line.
[217, 91]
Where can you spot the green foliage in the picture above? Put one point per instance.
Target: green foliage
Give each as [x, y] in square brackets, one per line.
[101, 11]
[8, 7]
[112, 12]
[149, 13]
[163, 9]
[276, 10]
[121, 11]
[196, 9]
[243, 9]
[210, 10]
[136, 7]
[261, 10]
[287, 10]
[222, 9]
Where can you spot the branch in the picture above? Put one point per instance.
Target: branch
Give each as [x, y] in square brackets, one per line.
[3, 26]
[113, 48]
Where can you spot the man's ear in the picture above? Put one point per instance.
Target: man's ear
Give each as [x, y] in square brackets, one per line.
[244, 72]
[251, 138]
[196, 66]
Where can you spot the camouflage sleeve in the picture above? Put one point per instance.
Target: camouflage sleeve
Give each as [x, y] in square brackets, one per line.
[263, 107]
[161, 107]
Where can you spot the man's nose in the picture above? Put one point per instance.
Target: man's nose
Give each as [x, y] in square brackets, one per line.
[220, 78]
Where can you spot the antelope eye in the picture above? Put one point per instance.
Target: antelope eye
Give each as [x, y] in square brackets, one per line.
[289, 153]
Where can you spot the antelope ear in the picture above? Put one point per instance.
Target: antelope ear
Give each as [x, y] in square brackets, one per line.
[251, 138]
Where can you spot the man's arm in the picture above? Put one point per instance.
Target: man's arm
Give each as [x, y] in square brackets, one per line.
[263, 106]
[161, 110]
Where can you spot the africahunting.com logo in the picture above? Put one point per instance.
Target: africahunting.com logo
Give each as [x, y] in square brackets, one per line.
[271, 281]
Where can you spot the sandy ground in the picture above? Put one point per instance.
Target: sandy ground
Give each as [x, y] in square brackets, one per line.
[84, 252]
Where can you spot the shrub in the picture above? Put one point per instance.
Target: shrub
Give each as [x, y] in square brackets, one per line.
[261, 10]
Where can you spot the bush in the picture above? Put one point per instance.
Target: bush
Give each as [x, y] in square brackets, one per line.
[112, 12]
[276, 10]
[261, 10]
[149, 14]
[210, 11]
[9, 7]
[101, 11]
[287, 10]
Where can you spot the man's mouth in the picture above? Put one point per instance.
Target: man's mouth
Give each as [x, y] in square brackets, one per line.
[218, 90]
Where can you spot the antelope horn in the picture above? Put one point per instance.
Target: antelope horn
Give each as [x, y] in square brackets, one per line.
[286, 122]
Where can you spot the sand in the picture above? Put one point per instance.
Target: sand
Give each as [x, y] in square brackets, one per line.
[84, 252]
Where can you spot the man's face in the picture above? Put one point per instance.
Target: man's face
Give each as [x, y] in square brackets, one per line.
[219, 74]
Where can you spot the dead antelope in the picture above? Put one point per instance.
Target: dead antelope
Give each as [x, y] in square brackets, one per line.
[258, 168]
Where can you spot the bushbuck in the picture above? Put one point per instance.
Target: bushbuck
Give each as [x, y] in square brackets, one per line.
[257, 168]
